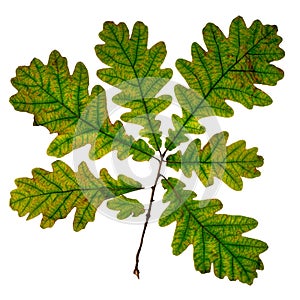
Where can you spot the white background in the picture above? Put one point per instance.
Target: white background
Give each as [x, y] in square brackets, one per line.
[97, 263]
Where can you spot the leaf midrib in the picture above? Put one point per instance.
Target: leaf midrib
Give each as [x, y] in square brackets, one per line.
[96, 189]
[215, 162]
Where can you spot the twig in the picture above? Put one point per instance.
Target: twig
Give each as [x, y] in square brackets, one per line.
[136, 270]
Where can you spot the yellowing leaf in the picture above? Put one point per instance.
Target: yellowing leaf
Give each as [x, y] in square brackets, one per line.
[231, 66]
[61, 102]
[193, 108]
[228, 163]
[126, 207]
[216, 238]
[55, 194]
[137, 71]
[229, 70]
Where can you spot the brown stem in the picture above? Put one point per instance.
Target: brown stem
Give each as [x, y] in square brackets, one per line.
[136, 270]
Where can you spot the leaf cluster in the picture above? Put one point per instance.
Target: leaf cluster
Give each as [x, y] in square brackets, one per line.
[228, 69]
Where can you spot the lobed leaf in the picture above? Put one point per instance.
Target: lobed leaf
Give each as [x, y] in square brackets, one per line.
[228, 70]
[55, 194]
[126, 207]
[136, 71]
[216, 238]
[61, 102]
[228, 163]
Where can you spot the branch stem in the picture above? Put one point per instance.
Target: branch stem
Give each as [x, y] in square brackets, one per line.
[136, 270]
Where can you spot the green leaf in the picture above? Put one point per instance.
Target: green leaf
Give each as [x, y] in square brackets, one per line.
[136, 71]
[231, 66]
[55, 194]
[216, 238]
[229, 70]
[186, 124]
[126, 207]
[193, 108]
[61, 102]
[228, 163]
